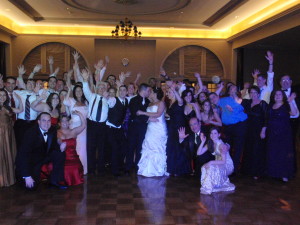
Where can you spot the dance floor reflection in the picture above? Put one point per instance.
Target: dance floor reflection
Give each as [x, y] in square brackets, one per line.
[159, 200]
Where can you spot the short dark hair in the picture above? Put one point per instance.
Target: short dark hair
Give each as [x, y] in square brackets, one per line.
[159, 93]
[264, 76]
[42, 113]
[64, 82]
[143, 86]
[212, 93]
[255, 88]
[124, 86]
[52, 77]
[10, 77]
[194, 118]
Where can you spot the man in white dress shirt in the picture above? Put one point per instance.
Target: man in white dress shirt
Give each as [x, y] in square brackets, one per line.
[97, 115]
[265, 84]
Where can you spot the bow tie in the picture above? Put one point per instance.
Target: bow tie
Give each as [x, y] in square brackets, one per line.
[285, 90]
[45, 133]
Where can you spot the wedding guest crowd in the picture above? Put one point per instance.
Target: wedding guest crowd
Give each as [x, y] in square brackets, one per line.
[82, 125]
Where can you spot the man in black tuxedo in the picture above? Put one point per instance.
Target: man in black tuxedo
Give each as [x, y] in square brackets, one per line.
[115, 133]
[137, 126]
[190, 143]
[286, 86]
[40, 146]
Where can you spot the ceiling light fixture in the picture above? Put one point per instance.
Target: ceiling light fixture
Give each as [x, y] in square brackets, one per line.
[125, 29]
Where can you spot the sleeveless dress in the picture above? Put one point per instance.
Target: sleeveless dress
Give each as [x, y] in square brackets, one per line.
[214, 178]
[178, 161]
[73, 167]
[73, 170]
[76, 122]
[153, 160]
[7, 150]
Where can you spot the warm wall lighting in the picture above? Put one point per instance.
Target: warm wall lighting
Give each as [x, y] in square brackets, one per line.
[153, 32]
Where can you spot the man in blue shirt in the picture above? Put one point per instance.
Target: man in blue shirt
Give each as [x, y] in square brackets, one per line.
[234, 120]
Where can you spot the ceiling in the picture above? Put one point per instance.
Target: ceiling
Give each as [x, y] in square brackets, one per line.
[211, 17]
[288, 39]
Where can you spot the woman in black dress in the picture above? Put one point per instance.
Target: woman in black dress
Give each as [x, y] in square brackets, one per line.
[191, 108]
[178, 162]
[280, 152]
[255, 152]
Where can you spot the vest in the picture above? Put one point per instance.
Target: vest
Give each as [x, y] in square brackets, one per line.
[116, 115]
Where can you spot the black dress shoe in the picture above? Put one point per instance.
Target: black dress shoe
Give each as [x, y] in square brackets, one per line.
[56, 185]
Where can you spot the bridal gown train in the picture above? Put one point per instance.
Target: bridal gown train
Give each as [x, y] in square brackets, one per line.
[153, 161]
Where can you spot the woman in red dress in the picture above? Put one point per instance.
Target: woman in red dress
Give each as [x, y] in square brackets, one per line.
[73, 167]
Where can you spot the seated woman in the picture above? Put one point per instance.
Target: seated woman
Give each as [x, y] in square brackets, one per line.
[214, 174]
[209, 118]
[73, 167]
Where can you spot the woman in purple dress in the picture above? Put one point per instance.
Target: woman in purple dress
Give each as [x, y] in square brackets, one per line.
[280, 152]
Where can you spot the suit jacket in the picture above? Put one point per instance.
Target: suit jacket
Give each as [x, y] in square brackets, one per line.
[135, 105]
[190, 148]
[34, 150]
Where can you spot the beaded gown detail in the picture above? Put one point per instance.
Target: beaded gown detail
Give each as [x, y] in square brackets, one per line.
[214, 177]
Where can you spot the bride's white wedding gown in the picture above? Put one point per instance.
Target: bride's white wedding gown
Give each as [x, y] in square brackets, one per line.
[153, 161]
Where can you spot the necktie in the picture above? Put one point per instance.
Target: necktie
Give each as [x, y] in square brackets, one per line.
[45, 133]
[98, 115]
[27, 108]
[197, 139]
[13, 105]
[143, 102]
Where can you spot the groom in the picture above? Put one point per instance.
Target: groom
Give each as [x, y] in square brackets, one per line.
[40, 146]
[137, 126]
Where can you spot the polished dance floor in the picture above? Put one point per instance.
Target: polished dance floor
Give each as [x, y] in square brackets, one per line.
[164, 200]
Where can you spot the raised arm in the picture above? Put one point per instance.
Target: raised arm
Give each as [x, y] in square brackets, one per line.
[177, 96]
[77, 130]
[220, 88]
[40, 106]
[51, 61]
[21, 72]
[86, 89]
[202, 147]
[20, 108]
[198, 77]
[270, 58]
[35, 70]
[254, 75]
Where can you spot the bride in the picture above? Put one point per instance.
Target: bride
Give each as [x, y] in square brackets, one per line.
[154, 158]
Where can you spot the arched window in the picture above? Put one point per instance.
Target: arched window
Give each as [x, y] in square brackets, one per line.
[62, 54]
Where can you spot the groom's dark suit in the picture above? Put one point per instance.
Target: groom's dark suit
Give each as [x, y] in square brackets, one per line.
[34, 152]
[190, 146]
[136, 130]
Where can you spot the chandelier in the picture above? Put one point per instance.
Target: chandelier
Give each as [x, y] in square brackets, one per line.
[125, 29]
